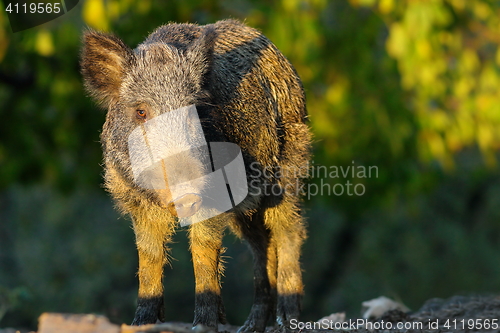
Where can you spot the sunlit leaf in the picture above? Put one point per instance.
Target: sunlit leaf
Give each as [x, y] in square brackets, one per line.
[95, 14]
[386, 6]
[397, 41]
[44, 44]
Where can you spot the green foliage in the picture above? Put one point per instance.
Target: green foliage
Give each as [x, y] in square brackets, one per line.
[448, 56]
[410, 87]
[10, 299]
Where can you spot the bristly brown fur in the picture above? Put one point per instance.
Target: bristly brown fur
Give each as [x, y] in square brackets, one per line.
[247, 93]
[104, 59]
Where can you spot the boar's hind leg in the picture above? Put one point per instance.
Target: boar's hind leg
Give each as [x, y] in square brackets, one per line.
[287, 235]
[206, 248]
[257, 235]
[152, 233]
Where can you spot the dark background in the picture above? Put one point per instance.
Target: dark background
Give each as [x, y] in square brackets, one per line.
[411, 87]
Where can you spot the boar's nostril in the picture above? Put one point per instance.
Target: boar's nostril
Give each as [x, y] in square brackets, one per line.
[185, 206]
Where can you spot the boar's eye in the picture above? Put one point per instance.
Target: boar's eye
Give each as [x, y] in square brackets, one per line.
[141, 114]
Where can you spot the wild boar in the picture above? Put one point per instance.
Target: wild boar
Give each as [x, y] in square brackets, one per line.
[241, 90]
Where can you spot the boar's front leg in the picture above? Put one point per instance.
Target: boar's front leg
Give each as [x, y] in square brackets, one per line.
[153, 229]
[206, 248]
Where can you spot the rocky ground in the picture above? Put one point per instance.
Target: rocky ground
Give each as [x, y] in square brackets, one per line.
[457, 314]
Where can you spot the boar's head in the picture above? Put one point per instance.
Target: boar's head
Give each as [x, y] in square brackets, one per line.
[152, 134]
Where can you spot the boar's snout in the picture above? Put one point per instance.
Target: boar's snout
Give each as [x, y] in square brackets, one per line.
[185, 206]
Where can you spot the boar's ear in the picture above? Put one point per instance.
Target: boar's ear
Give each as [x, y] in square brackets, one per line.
[104, 62]
[201, 51]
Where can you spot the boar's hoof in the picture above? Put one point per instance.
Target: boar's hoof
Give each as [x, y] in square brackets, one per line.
[283, 325]
[256, 321]
[202, 328]
[149, 311]
[185, 206]
[250, 327]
